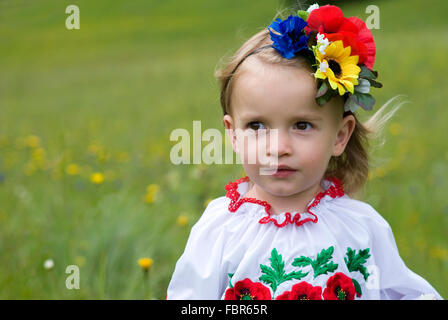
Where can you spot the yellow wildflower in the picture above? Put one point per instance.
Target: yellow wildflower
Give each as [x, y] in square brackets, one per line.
[72, 169]
[151, 193]
[182, 220]
[145, 263]
[97, 177]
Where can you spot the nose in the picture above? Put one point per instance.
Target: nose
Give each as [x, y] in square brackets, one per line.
[280, 144]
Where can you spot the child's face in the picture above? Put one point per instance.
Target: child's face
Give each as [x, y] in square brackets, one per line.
[283, 98]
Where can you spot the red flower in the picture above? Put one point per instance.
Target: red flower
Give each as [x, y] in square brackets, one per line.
[302, 291]
[330, 21]
[248, 290]
[339, 287]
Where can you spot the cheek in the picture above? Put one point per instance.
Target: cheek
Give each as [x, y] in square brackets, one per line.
[314, 153]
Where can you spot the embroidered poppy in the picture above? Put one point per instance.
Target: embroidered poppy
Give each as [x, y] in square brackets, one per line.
[339, 287]
[330, 21]
[302, 291]
[248, 290]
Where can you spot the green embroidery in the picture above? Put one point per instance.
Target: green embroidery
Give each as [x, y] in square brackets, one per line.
[357, 286]
[230, 279]
[275, 274]
[355, 261]
[322, 264]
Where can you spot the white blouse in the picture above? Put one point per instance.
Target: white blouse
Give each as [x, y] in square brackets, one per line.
[340, 248]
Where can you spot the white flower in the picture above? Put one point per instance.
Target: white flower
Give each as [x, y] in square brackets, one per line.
[323, 66]
[48, 264]
[322, 43]
[363, 86]
[312, 7]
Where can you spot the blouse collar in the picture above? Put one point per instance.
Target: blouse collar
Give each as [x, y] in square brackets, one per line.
[333, 189]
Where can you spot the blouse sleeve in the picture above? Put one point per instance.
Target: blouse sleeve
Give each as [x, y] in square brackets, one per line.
[396, 280]
[197, 274]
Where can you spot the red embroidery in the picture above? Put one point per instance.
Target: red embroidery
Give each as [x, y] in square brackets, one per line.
[334, 191]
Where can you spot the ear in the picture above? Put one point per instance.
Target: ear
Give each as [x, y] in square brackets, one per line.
[346, 128]
[230, 130]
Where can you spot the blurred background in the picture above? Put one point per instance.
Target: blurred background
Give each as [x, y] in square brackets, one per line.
[85, 120]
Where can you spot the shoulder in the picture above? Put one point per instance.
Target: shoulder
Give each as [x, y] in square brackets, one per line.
[361, 211]
[214, 214]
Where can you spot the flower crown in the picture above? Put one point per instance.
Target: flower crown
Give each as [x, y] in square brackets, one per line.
[341, 52]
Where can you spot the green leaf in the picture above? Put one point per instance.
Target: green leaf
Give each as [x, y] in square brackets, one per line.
[351, 104]
[230, 279]
[277, 261]
[295, 275]
[302, 261]
[324, 269]
[355, 261]
[322, 89]
[366, 73]
[357, 287]
[325, 97]
[303, 14]
[375, 84]
[364, 100]
[322, 264]
[275, 274]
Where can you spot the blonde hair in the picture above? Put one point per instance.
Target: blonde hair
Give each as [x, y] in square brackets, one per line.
[352, 167]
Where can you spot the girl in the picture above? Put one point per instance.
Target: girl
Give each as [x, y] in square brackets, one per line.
[290, 230]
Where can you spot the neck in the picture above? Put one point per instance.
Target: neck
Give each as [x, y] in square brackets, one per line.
[295, 202]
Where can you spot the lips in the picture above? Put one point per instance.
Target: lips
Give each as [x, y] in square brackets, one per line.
[283, 171]
[285, 167]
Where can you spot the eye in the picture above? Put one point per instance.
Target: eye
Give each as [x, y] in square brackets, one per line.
[303, 126]
[256, 125]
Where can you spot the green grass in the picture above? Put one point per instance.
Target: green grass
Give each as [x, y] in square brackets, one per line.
[106, 97]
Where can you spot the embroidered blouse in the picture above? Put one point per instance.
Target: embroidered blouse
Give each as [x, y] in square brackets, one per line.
[338, 249]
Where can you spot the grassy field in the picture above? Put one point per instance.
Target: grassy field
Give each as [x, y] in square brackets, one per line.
[85, 115]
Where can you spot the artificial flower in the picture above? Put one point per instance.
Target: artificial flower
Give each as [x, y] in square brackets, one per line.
[289, 38]
[322, 43]
[330, 20]
[363, 86]
[342, 71]
[312, 7]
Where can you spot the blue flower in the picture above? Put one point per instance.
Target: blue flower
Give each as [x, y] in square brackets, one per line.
[290, 38]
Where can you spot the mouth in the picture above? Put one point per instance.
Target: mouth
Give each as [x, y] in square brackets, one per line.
[280, 171]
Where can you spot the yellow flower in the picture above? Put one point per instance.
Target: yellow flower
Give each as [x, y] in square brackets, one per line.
[182, 220]
[151, 193]
[38, 154]
[145, 263]
[72, 169]
[338, 66]
[97, 177]
[152, 188]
